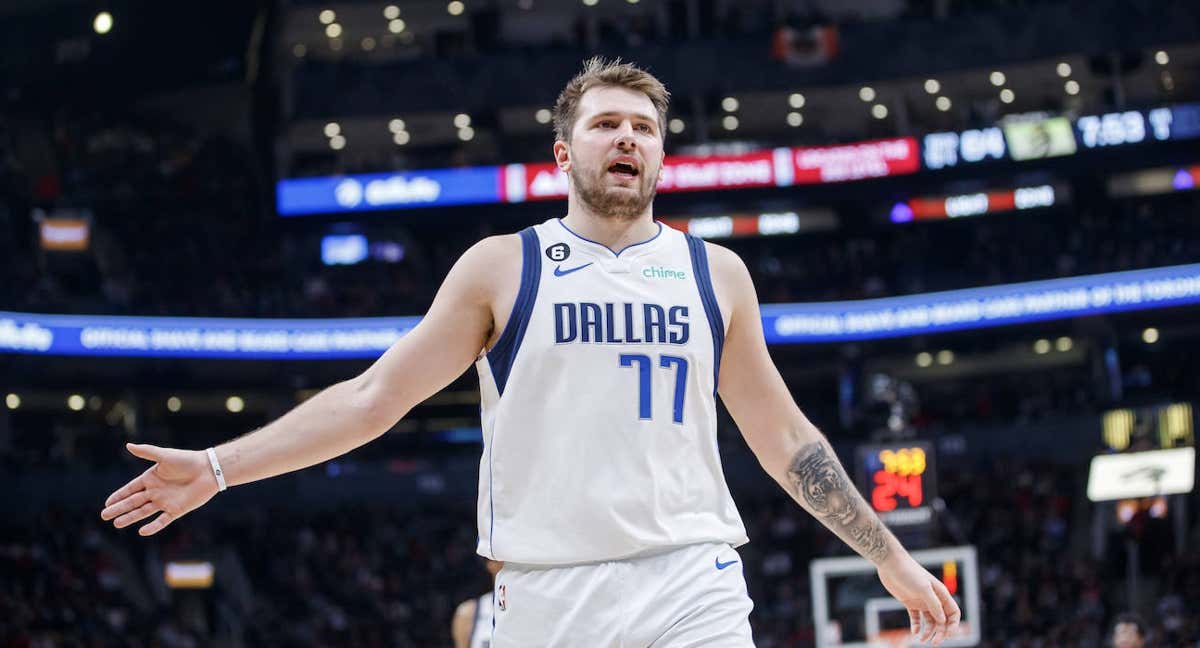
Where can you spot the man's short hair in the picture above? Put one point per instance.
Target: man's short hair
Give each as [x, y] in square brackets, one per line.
[1131, 618]
[598, 72]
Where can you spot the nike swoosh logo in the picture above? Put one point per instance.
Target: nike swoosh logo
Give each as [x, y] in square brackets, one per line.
[559, 272]
[721, 565]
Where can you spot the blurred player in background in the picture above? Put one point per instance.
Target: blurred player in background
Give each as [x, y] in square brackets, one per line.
[471, 626]
[601, 340]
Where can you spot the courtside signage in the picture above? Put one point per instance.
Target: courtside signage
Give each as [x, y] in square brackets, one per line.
[314, 339]
[431, 188]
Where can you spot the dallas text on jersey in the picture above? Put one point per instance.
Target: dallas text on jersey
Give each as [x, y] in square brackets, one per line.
[611, 323]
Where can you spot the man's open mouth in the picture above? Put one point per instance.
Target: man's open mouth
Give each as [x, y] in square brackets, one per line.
[623, 169]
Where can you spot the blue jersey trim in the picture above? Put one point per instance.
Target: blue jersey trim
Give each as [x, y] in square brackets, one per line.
[615, 252]
[503, 354]
[707, 297]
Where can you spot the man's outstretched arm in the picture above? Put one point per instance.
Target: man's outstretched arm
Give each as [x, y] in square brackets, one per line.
[343, 416]
[799, 458]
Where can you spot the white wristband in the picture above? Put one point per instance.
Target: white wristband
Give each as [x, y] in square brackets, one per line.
[216, 466]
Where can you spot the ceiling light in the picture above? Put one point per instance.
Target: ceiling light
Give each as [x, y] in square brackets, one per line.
[676, 125]
[1071, 87]
[924, 359]
[455, 8]
[997, 78]
[174, 404]
[235, 404]
[730, 122]
[1041, 347]
[879, 111]
[932, 86]
[333, 30]
[1063, 69]
[327, 16]
[75, 402]
[1161, 57]
[730, 104]
[391, 12]
[796, 100]
[332, 128]
[462, 120]
[943, 103]
[1150, 335]
[401, 137]
[1007, 96]
[795, 119]
[866, 93]
[103, 23]
[337, 142]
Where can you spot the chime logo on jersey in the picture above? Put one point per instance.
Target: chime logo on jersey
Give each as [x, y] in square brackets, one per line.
[500, 602]
[626, 323]
[658, 272]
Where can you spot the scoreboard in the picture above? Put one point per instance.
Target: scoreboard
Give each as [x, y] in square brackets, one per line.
[899, 481]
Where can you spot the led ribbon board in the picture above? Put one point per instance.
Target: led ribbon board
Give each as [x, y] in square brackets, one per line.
[314, 339]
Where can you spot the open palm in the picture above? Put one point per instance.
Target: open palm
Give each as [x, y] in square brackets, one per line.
[180, 481]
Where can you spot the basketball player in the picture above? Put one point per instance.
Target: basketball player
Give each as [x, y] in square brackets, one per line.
[601, 340]
[471, 626]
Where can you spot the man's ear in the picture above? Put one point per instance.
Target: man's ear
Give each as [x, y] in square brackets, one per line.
[562, 155]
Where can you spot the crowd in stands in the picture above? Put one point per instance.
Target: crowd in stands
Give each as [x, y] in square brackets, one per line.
[375, 575]
[180, 230]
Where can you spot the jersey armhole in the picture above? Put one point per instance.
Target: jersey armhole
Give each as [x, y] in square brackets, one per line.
[502, 355]
[708, 298]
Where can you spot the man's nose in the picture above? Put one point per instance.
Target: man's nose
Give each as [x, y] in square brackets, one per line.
[625, 140]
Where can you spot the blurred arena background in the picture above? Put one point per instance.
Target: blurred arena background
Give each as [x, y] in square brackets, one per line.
[975, 221]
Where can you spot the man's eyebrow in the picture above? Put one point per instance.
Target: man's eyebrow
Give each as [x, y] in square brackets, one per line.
[614, 113]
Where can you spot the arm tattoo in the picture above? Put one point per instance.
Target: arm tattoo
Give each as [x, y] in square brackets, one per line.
[820, 481]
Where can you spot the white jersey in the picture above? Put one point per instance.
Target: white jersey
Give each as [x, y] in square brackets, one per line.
[481, 625]
[599, 404]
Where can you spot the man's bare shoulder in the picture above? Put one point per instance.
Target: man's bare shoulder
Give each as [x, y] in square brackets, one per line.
[726, 266]
[489, 264]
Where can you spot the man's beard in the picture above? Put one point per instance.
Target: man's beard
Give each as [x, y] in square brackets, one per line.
[619, 205]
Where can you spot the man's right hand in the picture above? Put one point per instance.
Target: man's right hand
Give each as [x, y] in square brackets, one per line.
[180, 481]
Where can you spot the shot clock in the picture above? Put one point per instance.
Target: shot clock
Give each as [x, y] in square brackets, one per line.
[899, 481]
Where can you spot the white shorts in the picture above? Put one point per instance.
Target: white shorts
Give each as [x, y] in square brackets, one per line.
[689, 596]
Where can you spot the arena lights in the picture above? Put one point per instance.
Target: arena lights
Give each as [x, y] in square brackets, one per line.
[590, 3]
[333, 30]
[997, 78]
[1041, 347]
[12, 401]
[730, 104]
[75, 402]
[396, 125]
[235, 404]
[924, 359]
[943, 103]
[327, 16]
[455, 8]
[1007, 96]
[332, 129]
[1150, 335]
[299, 50]
[543, 116]
[174, 404]
[1064, 344]
[945, 357]
[795, 119]
[102, 23]
[867, 94]
[879, 111]
[337, 142]
[466, 133]
[729, 123]
[796, 100]
[367, 43]
[1071, 87]
[400, 138]
[676, 125]
[396, 25]
[1063, 69]
[462, 120]
[1161, 57]
[391, 12]
[932, 86]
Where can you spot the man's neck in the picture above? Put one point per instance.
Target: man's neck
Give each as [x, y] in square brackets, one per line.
[613, 233]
